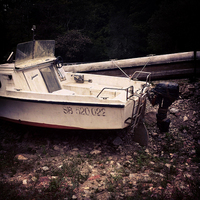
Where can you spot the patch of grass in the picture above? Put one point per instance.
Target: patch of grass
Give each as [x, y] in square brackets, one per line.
[59, 187]
[171, 143]
[54, 185]
[123, 171]
[72, 170]
[114, 184]
[44, 152]
[183, 128]
[142, 159]
[117, 178]
[110, 186]
[139, 162]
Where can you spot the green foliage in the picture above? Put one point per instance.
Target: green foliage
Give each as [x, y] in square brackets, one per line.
[99, 30]
[72, 46]
[172, 27]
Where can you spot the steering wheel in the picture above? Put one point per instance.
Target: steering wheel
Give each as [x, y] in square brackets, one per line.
[59, 62]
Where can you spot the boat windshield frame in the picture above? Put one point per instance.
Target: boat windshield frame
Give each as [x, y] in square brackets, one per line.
[34, 52]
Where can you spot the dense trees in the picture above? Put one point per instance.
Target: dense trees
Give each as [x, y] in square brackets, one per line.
[174, 27]
[94, 30]
[72, 45]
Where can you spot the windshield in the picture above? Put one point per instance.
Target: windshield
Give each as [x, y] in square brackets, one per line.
[32, 52]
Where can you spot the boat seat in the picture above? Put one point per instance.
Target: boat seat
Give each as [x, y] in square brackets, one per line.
[64, 92]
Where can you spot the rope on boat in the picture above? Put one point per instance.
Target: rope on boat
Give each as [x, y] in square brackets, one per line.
[151, 55]
[120, 69]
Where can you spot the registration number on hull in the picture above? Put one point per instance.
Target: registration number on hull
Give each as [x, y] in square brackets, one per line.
[99, 112]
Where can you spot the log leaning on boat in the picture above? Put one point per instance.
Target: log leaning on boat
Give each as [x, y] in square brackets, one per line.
[166, 66]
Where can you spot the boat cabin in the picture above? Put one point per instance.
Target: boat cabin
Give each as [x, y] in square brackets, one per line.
[36, 69]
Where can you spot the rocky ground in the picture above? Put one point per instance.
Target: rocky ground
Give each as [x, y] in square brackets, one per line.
[38, 163]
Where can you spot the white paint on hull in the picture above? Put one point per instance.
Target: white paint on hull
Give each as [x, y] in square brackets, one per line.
[39, 94]
[67, 115]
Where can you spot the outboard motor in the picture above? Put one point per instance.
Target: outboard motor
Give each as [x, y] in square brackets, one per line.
[163, 94]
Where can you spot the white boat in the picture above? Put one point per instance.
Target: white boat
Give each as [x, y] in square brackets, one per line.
[35, 90]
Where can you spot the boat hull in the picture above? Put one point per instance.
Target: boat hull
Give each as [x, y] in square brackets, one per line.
[65, 115]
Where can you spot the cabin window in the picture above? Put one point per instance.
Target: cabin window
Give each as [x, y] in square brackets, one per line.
[50, 79]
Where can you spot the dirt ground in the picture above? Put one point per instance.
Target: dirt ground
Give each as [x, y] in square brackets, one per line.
[39, 163]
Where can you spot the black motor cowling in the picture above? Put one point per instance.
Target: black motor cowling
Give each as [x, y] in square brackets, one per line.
[163, 94]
